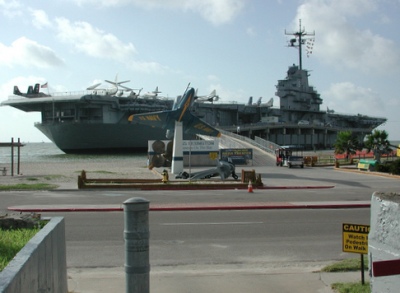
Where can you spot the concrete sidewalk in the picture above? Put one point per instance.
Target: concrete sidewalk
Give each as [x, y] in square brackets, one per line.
[170, 280]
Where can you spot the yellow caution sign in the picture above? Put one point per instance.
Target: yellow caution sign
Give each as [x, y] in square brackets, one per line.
[355, 238]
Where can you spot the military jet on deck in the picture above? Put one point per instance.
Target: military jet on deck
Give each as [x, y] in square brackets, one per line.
[180, 112]
[212, 97]
[32, 92]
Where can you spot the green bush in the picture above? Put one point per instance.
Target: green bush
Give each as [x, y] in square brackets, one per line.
[395, 167]
[383, 167]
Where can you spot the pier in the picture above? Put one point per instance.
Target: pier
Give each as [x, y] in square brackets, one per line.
[12, 145]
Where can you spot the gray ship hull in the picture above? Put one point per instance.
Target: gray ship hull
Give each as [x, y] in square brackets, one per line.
[100, 138]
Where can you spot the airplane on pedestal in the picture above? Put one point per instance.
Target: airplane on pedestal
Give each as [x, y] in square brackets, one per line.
[181, 113]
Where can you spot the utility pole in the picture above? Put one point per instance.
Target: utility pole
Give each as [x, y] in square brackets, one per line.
[299, 40]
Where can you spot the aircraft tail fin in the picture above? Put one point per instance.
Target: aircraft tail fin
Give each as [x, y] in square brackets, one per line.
[30, 90]
[156, 91]
[36, 89]
[17, 91]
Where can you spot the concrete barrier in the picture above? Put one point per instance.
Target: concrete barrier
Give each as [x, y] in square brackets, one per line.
[383, 242]
[41, 265]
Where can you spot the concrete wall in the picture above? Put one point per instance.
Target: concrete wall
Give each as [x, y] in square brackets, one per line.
[384, 238]
[41, 266]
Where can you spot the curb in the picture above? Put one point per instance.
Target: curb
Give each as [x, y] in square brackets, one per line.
[356, 170]
[196, 207]
[143, 187]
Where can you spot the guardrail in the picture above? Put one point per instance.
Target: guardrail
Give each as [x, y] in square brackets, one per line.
[258, 142]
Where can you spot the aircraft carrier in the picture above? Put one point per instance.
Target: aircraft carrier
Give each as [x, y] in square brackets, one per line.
[94, 121]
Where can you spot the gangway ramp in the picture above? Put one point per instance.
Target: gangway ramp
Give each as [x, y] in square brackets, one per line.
[260, 156]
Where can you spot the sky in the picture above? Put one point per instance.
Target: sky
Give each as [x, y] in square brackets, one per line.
[237, 47]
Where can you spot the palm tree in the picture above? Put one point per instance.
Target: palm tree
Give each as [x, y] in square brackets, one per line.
[378, 142]
[347, 143]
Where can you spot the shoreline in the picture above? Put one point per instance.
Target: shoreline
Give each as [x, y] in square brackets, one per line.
[67, 173]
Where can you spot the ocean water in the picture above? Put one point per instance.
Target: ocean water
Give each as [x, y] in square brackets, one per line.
[48, 152]
[395, 142]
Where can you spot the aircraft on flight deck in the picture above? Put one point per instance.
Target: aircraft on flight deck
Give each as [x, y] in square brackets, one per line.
[208, 98]
[152, 94]
[33, 92]
[180, 112]
[132, 94]
[108, 91]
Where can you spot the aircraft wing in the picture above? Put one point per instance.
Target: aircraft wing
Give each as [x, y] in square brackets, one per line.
[196, 126]
[192, 125]
[154, 119]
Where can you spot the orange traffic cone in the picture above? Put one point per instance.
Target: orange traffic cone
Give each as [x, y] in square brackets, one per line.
[250, 187]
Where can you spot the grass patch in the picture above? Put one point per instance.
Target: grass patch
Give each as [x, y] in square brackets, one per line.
[351, 287]
[12, 241]
[52, 177]
[347, 265]
[24, 186]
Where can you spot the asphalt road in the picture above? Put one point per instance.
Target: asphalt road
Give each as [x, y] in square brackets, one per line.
[211, 242]
[248, 239]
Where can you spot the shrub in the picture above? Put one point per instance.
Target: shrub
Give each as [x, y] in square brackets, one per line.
[395, 167]
[385, 167]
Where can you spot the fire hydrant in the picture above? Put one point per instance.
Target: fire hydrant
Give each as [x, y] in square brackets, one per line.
[165, 176]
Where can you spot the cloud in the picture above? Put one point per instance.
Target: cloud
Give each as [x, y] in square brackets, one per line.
[40, 19]
[216, 12]
[345, 97]
[98, 44]
[148, 67]
[10, 8]
[93, 42]
[251, 32]
[340, 43]
[80, 35]
[28, 53]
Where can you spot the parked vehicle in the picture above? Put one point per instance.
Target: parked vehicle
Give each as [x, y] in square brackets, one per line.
[295, 161]
[285, 157]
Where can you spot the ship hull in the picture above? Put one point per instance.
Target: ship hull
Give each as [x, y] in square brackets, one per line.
[76, 138]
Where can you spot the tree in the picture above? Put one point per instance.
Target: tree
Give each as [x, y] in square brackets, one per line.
[378, 143]
[347, 143]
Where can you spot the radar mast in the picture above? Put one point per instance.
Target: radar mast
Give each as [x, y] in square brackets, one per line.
[299, 40]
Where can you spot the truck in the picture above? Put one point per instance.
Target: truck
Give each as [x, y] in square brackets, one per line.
[293, 161]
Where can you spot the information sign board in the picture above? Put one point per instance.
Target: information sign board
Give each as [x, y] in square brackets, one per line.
[355, 238]
[237, 156]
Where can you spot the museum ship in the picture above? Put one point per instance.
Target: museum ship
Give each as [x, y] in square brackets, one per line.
[96, 121]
